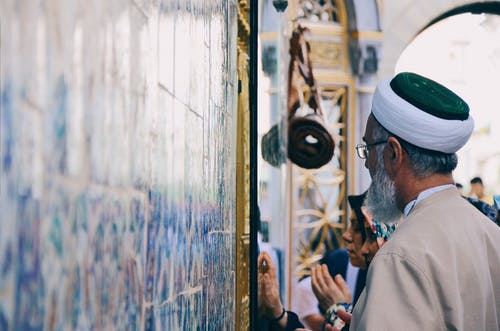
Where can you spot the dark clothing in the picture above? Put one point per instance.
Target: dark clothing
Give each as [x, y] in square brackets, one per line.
[487, 209]
[360, 285]
[336, 262]
[292, 323]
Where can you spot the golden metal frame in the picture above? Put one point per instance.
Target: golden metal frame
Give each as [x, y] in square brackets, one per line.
[242, 256]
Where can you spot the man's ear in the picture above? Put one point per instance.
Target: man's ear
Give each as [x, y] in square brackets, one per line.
[393, 156]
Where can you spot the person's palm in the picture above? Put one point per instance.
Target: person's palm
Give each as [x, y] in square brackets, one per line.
[327, 290]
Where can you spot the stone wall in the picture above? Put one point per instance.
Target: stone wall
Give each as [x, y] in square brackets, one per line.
[117, 184]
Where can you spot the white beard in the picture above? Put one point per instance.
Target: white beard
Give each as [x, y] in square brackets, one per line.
[381, 196]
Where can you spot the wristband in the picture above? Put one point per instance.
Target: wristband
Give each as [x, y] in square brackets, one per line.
[277, 319]
[331, 314]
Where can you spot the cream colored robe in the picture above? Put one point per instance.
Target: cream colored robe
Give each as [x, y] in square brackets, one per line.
[439, 271]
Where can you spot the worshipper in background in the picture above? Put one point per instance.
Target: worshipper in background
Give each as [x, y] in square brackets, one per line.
[331, 292]
[349, 263]
[477, 191]
[496, 204]
[488, 210]
[269, 302]
[440, 270]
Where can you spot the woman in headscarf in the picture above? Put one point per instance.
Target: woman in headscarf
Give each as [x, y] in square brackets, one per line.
[376, 233]
[349, 263]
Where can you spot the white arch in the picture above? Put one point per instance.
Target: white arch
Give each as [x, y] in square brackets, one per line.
[402, 20]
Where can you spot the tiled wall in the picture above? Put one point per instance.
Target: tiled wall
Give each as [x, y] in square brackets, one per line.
[117, 184]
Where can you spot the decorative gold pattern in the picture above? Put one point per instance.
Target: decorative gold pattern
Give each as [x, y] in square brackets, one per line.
[377, 35]
[319, 210]
[243, 283]
[318, 198]
[242, 322]
[243, 26]
[313, 10]
[325, 53]
[328, 41]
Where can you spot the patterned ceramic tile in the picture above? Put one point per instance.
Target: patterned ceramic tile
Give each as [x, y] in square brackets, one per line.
[117, 184]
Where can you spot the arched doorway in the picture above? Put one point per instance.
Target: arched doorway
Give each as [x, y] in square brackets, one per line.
[403, 20]
[460, 49]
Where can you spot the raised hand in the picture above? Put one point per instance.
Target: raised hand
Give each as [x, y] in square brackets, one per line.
[327, 290]
[268, 291]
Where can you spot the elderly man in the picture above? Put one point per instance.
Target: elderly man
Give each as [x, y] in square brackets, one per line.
[441, 269]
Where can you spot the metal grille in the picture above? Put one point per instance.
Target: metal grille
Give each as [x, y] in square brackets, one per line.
[319, 195]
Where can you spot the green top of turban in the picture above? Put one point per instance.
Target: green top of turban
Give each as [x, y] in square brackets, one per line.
[429, 96]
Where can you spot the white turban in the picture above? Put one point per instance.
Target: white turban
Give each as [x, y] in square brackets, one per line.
[421, 127]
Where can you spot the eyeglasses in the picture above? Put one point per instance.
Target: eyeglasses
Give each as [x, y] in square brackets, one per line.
[363, 149]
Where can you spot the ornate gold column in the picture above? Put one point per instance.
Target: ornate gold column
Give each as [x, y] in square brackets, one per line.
[242, 321]
[318, 197]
